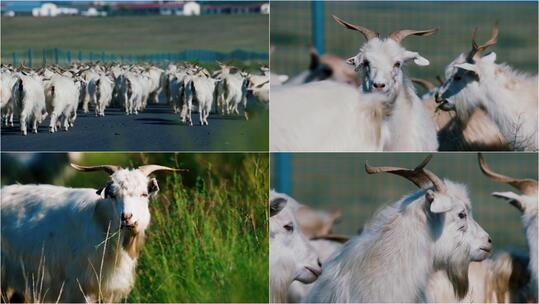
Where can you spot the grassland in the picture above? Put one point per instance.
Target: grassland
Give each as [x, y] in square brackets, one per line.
[208, 240]
[326, 181]
[517, 43]
[136, 35]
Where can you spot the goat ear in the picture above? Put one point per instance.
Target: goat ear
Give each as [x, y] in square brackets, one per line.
[101, 192]
[276, 205]
[513, 198]
[153, 187]
[490, 58]
[418, 59]
[438, 203]
[467, 67]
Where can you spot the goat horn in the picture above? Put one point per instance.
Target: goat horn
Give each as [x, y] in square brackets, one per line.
[365, 31]
[400, 35]
[526, 186]
[110, 169]
[148, 169]
[425, 83]
[477, 50]
[420, 176]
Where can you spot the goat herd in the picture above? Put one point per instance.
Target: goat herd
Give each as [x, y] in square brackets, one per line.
[423, 247]
[57, 92]
[481, 105]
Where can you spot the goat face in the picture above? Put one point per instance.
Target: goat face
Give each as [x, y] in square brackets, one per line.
[458, 238]
[130, 191]
[291, 256]
[461, 91]
[381, 64]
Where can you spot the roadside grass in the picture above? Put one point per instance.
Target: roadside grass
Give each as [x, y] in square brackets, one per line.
[208, 243]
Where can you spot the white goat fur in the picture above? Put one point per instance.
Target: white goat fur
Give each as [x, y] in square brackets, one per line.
[8, 81]
[290, 252]
[62, 99]
[65, 229]
[410, 125]
[400, 247]
[326, 116]
[29, 99]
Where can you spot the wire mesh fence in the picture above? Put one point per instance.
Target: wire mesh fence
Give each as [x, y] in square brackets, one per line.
[295, 27]
[32, 57]
[339, 180]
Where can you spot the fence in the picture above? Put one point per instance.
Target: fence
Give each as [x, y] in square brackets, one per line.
[32, 57]
[339, 180]
[296, 26]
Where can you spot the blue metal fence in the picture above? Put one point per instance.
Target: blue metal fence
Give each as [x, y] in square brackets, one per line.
[61, 56]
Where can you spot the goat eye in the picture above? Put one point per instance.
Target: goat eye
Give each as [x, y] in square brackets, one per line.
[462, 214]
[457, 78]
[366, 63]
[144, 195]
[397, 65]
[289, 227]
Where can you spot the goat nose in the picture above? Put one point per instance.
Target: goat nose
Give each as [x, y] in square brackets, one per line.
[127, 216]
[379, 85]
[489, 240]
[318, 262]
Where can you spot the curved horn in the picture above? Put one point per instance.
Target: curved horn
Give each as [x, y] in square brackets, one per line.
[526, 186]
[148, 169]
[420, 176]
[365, 31]
[398, 36]
[110, 169]
[477, 50]
[425, 83]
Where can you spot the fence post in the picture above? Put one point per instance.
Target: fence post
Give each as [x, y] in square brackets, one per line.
[283, 163]
[80, 56]
[318, 25]
[14, 58]
[68, 57]
[30, 58]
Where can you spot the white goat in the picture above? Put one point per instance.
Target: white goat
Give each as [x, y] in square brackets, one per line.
[90, 76]
[29, 100]
[527, 203]
[381, 60]
[7, 83]
[104, 87]
[200, 88]
[404, 243]
[507, 96]
[235, 93]
[80, 244]
[291, 257]
[478, 133]
[326, 116]
[62, 99]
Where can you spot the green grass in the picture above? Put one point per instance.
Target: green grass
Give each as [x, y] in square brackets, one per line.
[517, 43]
[209, 243]
[135, 34]
[208, 236]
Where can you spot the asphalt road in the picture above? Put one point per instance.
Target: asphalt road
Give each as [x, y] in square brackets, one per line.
[155, 129]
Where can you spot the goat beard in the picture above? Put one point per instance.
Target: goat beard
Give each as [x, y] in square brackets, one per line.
[132, 242]
[457, 272]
